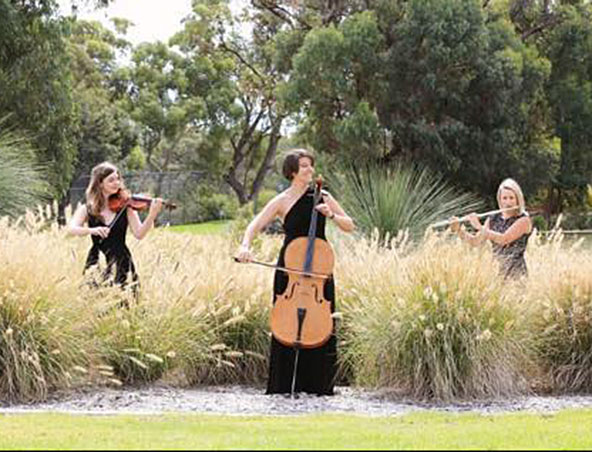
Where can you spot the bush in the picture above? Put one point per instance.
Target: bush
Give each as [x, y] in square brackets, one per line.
[539, 223]
[204, 204]
[432, 320]
[576, 221]
[391, 200]
[445, 331]
[562, 297]
[22, 181]
[39, 345]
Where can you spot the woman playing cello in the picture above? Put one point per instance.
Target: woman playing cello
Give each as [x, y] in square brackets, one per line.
[316, 367]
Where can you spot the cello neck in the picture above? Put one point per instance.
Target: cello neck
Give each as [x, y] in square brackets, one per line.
[312, 229]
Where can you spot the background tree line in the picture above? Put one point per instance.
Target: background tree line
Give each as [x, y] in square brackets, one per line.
[473, 90]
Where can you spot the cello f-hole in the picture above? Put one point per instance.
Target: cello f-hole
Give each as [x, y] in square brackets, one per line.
[292, 289]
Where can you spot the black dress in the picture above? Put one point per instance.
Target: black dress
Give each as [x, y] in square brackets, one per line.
[316, 367]
[511, 256]
[116, 252]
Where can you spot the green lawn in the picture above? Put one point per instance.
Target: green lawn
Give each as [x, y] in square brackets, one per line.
[209, 227]
[565, 430]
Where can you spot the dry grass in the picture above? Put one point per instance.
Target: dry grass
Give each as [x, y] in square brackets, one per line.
[433, 320]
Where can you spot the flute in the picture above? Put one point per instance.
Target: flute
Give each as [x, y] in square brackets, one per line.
[466, 217]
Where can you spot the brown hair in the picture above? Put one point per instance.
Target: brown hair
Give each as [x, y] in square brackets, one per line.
[94, 194]
[291, 162]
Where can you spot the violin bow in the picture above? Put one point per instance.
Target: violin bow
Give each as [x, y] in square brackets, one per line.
[123, 209]
[285, 269]
[110, 225]
[466, 217]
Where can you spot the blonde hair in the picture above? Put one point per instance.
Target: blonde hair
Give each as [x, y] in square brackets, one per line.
[95, 200]
[512, 185]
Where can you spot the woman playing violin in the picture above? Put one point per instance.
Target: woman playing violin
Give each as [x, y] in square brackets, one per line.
[107, 227]
[317, 366]
[508, 231]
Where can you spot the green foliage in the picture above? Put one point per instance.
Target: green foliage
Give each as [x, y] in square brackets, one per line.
[36, 85]
[236, 81]
[539, 223]
[106, 129]
[206, 204]
[135, 161]
[394, 199]
[210, 227]
[22, 183]
[335, 72]
[570, 94]
[238, 226]
[439, 82]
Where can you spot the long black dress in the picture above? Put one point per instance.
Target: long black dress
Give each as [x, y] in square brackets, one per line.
[316, 367]
[116, 252]
[511, 256]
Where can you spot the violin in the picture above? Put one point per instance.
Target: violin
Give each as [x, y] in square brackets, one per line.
[301, 316]
[124, 198]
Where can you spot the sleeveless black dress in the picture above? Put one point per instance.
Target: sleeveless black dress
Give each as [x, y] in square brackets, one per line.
[116, 252]
[511, 256]
[316, 367]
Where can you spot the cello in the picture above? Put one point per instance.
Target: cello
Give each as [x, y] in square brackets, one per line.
[301, 316]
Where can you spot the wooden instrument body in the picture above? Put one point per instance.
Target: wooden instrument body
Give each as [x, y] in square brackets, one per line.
[304, 293]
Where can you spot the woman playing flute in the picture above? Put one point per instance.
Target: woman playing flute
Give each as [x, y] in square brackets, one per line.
[508, 231]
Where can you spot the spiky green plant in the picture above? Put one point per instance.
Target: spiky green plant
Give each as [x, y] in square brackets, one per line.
[392, 199]
[22, 184]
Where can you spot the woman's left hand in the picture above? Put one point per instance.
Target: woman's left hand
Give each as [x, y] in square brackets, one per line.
[155, 207]
[474, 220]
[325, 210]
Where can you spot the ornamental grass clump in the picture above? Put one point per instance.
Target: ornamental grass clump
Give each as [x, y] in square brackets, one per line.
[139, 344]
[445, 331]
[42, 340]
[221, 326]
[39, 345]
[561, 298]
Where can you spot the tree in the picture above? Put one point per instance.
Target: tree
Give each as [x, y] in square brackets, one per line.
[107, 132]
[236, 81]
[440, 82]
[569, 48]
[35, 83]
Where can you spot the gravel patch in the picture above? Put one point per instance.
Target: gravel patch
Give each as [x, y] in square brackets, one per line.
[240, 400]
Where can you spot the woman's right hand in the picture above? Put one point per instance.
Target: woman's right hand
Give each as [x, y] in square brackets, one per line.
[244, 254]
[454, 224]
[100, 231]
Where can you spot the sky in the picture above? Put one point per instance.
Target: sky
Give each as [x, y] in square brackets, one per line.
[154, 20]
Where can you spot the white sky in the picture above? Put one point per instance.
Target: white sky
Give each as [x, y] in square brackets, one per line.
[154, 20]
